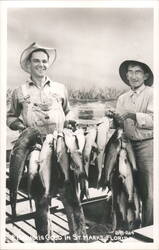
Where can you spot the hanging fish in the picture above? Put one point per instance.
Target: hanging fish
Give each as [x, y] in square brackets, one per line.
[89, 144]
[79, 133]
[76, 159]
[102, 135]
[111, 152]
[126, 174]
[27, 139]
[76, 163]
[46, 163]
[33, 167]
[62, 157]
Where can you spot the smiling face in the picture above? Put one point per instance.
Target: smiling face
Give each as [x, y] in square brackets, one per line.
[38, 64]
[136, 76]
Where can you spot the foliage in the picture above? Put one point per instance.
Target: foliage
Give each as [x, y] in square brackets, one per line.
[102, 94]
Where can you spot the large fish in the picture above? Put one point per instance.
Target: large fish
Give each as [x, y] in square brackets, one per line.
[111, 152]
[76, 163]
[33, 167]
[28, 138]
[89, 144]
[102, 135]
[126, 174]
[79, 133]
[76, 159]
[46, 163]
[87, 152]
[62, 157]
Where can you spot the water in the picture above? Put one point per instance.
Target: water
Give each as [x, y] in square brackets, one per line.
[85, 113]
[90, 112]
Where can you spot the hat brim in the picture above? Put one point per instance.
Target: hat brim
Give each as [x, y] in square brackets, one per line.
[123, 71]
[33, 47]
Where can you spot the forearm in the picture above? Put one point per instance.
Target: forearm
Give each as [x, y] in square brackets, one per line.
[14, 111]
[144, 120]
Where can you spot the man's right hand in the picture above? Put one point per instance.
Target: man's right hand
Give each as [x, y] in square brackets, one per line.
[17, 125]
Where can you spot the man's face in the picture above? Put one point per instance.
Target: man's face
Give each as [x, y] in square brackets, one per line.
[38, 64]
[136, 76]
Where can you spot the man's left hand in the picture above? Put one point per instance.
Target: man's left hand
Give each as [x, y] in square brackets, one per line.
[70, 124]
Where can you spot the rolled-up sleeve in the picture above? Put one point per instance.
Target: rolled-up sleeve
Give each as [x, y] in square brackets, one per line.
[145, 120]
[15, 108]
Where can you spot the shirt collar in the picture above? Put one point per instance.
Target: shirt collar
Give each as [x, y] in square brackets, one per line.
[138, 91]
[47, 81]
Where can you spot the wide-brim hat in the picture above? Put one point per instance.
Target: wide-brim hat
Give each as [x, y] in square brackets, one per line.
[33, 47]
[124, 67]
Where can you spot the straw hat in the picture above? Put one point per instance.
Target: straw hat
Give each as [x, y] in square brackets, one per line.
[33, 47]
[123, 71]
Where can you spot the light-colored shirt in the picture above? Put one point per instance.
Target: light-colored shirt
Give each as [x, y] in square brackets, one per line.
[29, 101]
[141, 103]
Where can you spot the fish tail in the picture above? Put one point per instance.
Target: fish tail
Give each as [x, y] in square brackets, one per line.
[84, 188]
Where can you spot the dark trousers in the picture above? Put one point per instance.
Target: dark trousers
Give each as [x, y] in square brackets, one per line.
[144, 157]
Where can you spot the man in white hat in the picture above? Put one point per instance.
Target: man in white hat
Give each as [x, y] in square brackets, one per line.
[134, 112]
[40, 102]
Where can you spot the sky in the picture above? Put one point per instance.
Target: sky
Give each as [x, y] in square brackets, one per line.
[91, 43]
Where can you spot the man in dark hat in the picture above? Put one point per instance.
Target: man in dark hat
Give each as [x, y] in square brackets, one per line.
[134, 112]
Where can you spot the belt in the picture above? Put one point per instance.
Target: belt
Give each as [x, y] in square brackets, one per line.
[147, 139]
